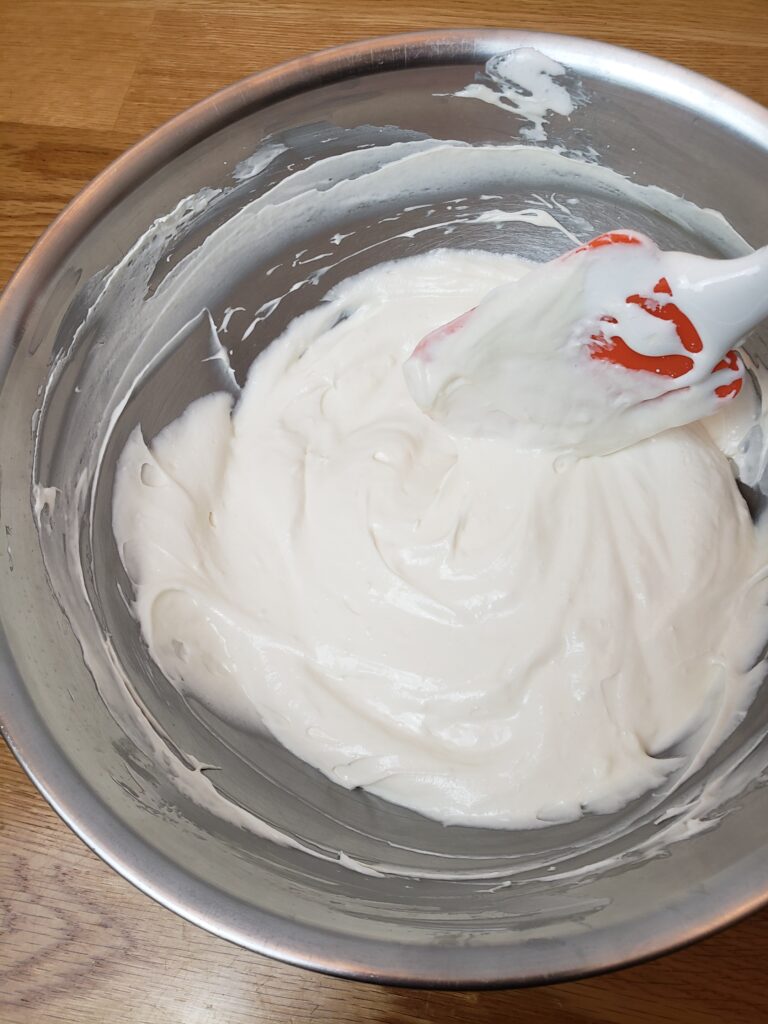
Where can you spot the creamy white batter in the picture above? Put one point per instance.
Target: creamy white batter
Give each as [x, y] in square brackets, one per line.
[461, 626]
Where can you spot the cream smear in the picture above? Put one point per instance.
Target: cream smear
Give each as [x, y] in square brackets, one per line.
[522, 81]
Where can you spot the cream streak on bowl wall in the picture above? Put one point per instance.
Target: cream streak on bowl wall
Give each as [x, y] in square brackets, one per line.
[523, 82]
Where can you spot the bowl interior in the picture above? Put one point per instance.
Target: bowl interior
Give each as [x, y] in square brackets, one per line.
[450, 905]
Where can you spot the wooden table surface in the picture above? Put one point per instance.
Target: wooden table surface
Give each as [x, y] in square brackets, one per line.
[80, 81]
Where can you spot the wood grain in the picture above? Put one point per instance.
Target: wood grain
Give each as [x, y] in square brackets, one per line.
[79, 82]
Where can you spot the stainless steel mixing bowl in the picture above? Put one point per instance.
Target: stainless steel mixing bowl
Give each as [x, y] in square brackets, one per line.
[530, 923]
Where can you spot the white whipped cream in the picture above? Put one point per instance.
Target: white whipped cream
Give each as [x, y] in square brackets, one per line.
[462, 627]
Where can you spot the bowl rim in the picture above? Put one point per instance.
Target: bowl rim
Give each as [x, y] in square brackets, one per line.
[450, 967]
